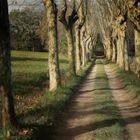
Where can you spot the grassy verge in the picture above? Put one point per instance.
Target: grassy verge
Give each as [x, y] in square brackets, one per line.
[30, 78]
[54, 104]
[30, 70]
[130, 79]
[108, 124]
[36, 110]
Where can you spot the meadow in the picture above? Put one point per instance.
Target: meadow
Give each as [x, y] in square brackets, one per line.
[31, 81]
[36, 107]
[30, 70]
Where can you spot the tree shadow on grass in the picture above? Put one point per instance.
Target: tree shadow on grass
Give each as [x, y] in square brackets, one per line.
[23, 87]
[45, 131]
[28, 59]
[102, 89]
[35, 59]
[48, 132]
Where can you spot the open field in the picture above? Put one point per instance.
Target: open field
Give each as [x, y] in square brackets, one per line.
[35, 106]
[30, 70]
[30, 81]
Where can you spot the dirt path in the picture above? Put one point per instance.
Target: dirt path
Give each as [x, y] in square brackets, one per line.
[127, 105]
[77, 120]
[92, 114]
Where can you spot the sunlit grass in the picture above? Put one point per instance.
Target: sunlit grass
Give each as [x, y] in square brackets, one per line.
[30, 78]
[108, 124]
[30, 70]
[130, 79]
[35, 106]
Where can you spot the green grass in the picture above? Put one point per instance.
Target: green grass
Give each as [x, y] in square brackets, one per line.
[36, 108]
[130, 79]
[30, 78]
[108, 123]
[30, 70]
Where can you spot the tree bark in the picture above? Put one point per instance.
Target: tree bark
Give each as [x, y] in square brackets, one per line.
[78, 48]
[121, 52]
[83, 40]
[78, 27]
[54, 71]
[114, 50]
[126, 58]
[71, 51]
[8, 112]
[88, 49]
[68, 22]
[137, 54]
[83, 53]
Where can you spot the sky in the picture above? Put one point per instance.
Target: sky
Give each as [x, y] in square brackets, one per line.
[20, 4]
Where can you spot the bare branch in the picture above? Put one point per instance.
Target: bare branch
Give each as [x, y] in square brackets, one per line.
[62, 14]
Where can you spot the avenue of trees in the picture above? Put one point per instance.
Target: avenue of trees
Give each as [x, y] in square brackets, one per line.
[118, 23]
[73, 16]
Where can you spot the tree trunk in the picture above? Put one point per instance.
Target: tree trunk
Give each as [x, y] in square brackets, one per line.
[88, 49]
[137, 52]
[78, 49]
[84, 50]
[71, 51]
[68, 21]
[78, 27]
[126, 58]
[122, 62]
[54, 72]
[83, 53]
[8, 113]
[121, 51]
[114, 50]
[109, 50]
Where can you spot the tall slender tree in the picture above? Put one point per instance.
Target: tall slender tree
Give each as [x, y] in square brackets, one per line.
[8, 113]
[78, 27]
[68, 21]
[54, 71]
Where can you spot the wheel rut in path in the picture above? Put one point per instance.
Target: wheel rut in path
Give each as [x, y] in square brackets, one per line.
[127, 104]
[77, 120]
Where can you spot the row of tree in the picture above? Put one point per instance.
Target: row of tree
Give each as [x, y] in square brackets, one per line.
[79, 39]
[76, 21]
[119, 24]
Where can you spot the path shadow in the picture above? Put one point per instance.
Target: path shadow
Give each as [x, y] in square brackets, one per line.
[132, 120]
[46, 131]
[119, 88]
[72, 132]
